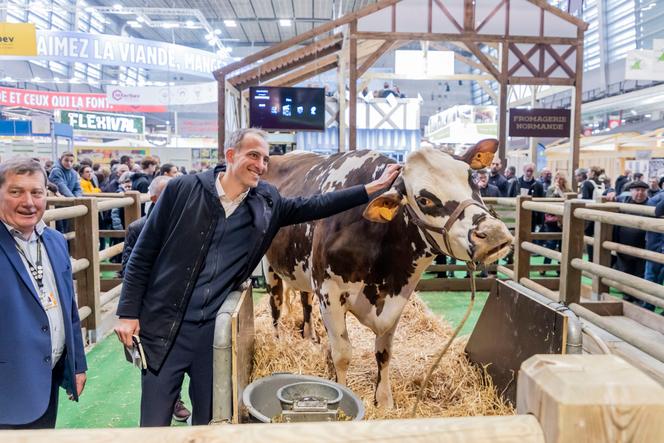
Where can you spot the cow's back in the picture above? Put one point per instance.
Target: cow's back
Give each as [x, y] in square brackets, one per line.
[347, 247]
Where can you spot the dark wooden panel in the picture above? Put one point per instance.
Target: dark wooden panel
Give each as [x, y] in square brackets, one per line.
[454, 284]
[511, 328]
[109, 283]
[604, 307]
[110, 266]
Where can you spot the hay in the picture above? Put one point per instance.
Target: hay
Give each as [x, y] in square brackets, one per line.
[457, 388]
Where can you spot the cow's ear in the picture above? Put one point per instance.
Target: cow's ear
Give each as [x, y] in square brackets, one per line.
[480, 155]
[385, 207]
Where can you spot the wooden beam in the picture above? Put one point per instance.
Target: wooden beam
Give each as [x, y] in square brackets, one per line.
[490, 16]
[469, 15]
[318, 30]
[564, 56]
[560, 61]
[352, 86]
[464, 37]
[325, 63]
[277, 66]
[523, 59]
[85, 246]
[576, 103]
[483, 59]
[560, 13]
[555, 81]
[487, 88]
[469, 62]
[449, 16]
[386, 46]
[571, 248]
[391, 75]
[502, 116]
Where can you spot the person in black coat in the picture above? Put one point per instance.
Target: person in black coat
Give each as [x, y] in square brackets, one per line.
[486, 188]
[632, 237]
[203, 239]
[497, 179]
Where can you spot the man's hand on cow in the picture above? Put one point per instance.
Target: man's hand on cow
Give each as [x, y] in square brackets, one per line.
[384, 181]
[125, 329]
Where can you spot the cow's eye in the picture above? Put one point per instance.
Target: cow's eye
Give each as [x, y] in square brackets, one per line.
[424, 202]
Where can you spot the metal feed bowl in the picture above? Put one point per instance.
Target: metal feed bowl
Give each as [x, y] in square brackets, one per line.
[260, 397]
[288, 394]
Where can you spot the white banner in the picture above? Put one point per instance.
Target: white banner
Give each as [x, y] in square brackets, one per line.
[163, 95]
[644, 64]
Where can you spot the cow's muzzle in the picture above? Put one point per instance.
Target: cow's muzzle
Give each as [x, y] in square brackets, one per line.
[491, 240]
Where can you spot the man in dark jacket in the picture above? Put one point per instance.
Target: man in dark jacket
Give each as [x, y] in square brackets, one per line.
[496, 178]
[486, 188]
[203, 239]
[632, 237]
[622, 180]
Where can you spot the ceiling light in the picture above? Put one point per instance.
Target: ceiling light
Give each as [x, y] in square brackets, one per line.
[8, 79]
[169, 25]
[230, 23]
[209, 36]
[134, 24]
[56, 79]
[114, 82]
[212, 42]
[171, 83]
[89, 9]
[73, 80]
[217, 31]
[284, 22]
[36, 79]
[117, 6]
[190, 24]
[140, 19]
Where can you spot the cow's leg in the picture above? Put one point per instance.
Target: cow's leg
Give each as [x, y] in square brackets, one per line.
[276, 288]
[334, 319]
[383, 394]
[308, 331]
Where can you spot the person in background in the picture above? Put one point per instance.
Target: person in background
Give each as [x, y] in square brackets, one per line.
[496, 178]
[117, 214]
[41, 346]
[48, 166]
[545, 178]
[168, 169]
[117, 171]
[654, 271]
[127, 160]
[93, 177]
[87, 184]
[486, 188]
[621, 180]
[654, 187]
[65, 178]
[638, 195]
[553, 223]
[510, 176]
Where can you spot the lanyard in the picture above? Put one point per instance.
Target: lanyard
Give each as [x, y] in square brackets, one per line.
[37, 270]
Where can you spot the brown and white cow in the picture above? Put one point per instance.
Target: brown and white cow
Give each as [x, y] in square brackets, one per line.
[368, 260]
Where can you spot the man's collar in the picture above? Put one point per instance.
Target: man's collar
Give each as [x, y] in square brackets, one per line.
[220, 189]
[39, 229]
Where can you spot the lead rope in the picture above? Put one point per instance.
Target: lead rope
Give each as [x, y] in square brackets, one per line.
[471, 268]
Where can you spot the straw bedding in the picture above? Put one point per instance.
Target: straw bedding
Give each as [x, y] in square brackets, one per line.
[457, 388]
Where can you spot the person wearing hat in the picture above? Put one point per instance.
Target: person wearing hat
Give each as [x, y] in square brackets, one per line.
[638, 195]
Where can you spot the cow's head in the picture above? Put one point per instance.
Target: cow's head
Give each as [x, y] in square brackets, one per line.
[434, 184]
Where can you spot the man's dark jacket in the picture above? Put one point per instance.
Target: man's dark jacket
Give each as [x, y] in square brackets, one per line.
[171, 249]
[133, 231]
[140, 182]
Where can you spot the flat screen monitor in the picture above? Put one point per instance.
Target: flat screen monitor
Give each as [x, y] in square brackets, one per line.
[287, 108]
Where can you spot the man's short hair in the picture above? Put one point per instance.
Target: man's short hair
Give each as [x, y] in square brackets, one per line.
[125, 159]
[67, 154]
[512, 169]
[85, 161]
[235, 139]
[581, 171]
[158, 184]
[147, 162]
[125, 177]
[21, 166]
[166, 168]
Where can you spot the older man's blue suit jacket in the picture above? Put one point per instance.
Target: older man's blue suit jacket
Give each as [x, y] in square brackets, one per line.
[25, 341]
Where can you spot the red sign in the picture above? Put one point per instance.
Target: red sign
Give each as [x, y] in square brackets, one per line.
[63, 100]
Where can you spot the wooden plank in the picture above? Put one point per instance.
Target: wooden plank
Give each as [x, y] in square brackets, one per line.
[132, 212]
[447, 14]
[110, 267]
[465, 37]
[555, 81]
[106, 284]
[490, 15]
[512, 428]
[111, 233]
[511, 328]
[352, 87]
[242, 336]
[571, 248]
[561, 14]
[604, 308]
[577, 100]
[373, 58]
[551, 387]
[523, 60]
[649, 319]
[522, 233]
[601, 255]
[454, 284]
[469, 15]
[299, 77]
[85, 246]
[472, 47]
[560, 61]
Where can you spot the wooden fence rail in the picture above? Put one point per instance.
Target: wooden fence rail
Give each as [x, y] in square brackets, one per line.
[84, 241]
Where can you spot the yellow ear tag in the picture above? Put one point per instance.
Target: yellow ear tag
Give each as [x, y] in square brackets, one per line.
[386, 213]
[482, 160]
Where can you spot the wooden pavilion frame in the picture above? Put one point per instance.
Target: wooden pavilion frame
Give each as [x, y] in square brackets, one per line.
[514, 42]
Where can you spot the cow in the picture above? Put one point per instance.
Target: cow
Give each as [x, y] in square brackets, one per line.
[368, 260]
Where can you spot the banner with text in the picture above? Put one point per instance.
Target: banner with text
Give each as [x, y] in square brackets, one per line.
[130, 125]
[163, 95]
[18, 39]
[64, 100]
[63, 46]
[539, 122]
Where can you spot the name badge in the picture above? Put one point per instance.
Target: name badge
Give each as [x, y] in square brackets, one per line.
[48, 300]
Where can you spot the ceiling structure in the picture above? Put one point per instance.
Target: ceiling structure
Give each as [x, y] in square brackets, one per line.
[234, 23]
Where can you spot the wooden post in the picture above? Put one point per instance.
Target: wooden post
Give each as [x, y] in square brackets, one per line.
[502, 105]
[590, 398]
[87, 246]
[522, 233]
[352, 96]
[571, 248]
[577, 98]
[601, 256]
[221, 120]
[132, 212]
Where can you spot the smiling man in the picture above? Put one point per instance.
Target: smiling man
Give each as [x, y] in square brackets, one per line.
[41, 347]
[203, 239]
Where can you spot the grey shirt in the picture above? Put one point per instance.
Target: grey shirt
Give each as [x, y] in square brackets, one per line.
[49, 297]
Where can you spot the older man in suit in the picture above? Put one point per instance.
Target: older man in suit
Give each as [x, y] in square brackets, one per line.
[41, 347]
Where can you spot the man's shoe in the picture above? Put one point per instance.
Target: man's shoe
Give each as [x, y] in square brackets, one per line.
[180, 412]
